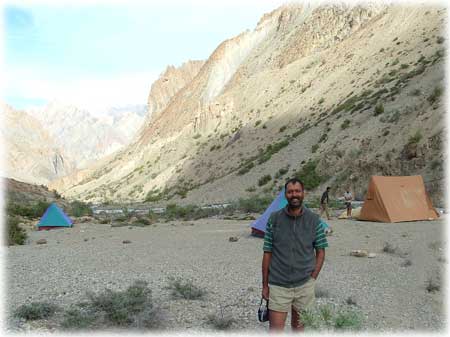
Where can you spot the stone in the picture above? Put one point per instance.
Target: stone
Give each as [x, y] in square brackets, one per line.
[233, 238]
[126, 241]
[41, 241]
[359, 253]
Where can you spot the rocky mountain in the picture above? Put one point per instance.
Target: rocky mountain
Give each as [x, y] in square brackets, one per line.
[168, 84]
[31, 152]
[331, 93]
[86, 137]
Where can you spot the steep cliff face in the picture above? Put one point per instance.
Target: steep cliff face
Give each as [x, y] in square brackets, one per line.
[32, 155]
[331, 93]
[168, 84]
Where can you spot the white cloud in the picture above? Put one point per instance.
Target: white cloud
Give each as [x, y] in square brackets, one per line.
[94, 94]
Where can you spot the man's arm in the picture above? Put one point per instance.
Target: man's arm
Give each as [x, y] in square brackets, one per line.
[265, 274]
[267, 248]
[320, 257]
[320, 244]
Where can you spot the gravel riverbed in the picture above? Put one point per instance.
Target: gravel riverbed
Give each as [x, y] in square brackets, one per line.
[389, 290]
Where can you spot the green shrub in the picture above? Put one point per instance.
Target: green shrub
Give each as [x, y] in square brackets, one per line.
[435, 164]
[321, 100]
[379, 109]
[272, 149]
[141, 222]
[440, 39]
[76, 318]
[35, 210]
[246, 168]
[197, 136]
[437, 92]
[416, 92]
[35, 310]
[314, 148]
[185, 289]
[253, 205]
[283, 128]
[281, 172]
[328, 318]
[16, 234]
[311, 179]
[299, 132]
[79, 208]
[257, 122]
[323, 138]
[220, 322]
[251, 189]
[345, 124]
[120, 307]
[414, 139]
[264, 180]
[153, 196]
[347, 320]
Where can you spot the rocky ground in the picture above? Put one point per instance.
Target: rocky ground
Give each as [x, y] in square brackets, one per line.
[389, 290]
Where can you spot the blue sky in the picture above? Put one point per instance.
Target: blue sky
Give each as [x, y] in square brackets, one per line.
[97, 54]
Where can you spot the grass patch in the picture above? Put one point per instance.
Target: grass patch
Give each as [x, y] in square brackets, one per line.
[220, 322]
[327, 317]
[36, 310]
[185, 289]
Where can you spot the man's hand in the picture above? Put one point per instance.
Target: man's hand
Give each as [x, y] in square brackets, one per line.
[265, 293]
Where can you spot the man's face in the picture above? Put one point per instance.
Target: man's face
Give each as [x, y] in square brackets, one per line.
[294, 195]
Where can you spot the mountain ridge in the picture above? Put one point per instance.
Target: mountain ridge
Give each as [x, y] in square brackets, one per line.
[350, 104]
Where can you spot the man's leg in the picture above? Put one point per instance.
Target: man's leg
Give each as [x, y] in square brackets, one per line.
[277, 320]
[327, 212]
[296, 323]
[280, 301]
[304, 299]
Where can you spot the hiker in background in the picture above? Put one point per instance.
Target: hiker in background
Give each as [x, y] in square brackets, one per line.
[294, 251]
[324, 200]
[348, 197]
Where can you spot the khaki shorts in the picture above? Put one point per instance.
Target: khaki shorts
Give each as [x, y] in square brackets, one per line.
[282, 299]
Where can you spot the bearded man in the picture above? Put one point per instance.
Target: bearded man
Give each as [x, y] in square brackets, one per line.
[294, 252]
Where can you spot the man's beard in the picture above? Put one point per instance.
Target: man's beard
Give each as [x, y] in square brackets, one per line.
[295, 203]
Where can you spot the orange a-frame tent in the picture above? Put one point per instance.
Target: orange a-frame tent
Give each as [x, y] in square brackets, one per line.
[396, 199]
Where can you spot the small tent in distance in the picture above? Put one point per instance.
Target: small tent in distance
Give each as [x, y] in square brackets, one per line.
[54, 217]
[397, 199]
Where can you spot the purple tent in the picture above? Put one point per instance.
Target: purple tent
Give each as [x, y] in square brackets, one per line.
[259, 225]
